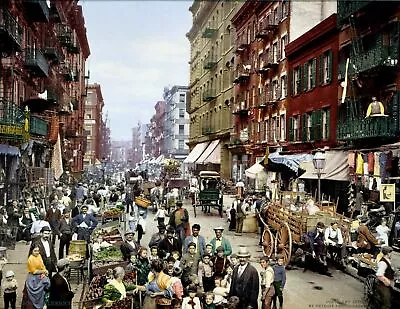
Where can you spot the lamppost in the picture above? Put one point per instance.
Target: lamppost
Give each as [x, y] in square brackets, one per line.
[319, 165]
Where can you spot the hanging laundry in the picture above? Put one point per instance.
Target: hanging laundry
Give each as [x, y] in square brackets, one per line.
[377, 168]
[382, 165]
[360, 164]
[371, 163]
[351, 159]
[365, 168]
[389, 160]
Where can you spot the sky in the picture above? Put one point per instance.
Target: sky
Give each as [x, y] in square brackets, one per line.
[137, 48]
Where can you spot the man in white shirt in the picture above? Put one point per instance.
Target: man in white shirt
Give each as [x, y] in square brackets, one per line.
[38, 225]
[334, 241]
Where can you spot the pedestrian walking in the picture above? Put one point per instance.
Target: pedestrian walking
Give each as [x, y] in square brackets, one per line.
[160, 215]
[10, 287]
[179, 219]
[279, 282]
[53, 216]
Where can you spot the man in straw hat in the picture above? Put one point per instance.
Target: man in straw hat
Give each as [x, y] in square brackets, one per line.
[245, 281]
[218, 241]
[129, 246]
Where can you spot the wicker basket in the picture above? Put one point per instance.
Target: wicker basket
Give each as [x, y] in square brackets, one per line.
[142, 202]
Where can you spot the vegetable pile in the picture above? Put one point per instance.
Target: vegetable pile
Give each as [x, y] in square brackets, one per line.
[95, 290]
[108, 254]
[112, 213]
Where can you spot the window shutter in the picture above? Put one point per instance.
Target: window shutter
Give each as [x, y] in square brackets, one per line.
[317, 127]
[291, 129]
[305, 77]
[278, 51]
[291, 83]
[313, 72]
[330, 66]
[321, 70]
[304, 127]
[328, 123]
[300, 81]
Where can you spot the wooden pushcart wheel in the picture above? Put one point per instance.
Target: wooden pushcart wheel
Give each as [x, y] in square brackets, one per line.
[369, 291]
[268, 242]
[283, 243]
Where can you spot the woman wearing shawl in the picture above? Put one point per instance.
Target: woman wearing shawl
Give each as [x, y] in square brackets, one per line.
[159, 285]
[37, 282]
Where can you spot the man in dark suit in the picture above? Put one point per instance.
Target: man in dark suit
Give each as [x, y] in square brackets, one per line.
[169, 244]
[245, 281]
[60, 295]
[53, 216]
[66, 231]
[129, 246]
[46, 249]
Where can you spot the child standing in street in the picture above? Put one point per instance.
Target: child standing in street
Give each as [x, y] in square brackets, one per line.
[279, 282]
[160, 215]
[10, 287]
[267, 283]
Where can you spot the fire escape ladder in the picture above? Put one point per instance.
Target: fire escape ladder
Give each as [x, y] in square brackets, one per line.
[356, 39]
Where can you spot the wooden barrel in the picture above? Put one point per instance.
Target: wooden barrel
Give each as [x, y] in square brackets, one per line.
[78, 247]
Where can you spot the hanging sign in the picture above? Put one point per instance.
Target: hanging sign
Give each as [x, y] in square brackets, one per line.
[387, 193]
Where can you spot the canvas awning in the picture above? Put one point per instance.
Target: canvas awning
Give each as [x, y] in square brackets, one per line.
[196, 152]
[336, 167]
[211, 154]
[291, 161]
[256, 171]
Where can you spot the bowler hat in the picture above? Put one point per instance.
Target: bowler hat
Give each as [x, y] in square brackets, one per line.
[243, 252]
[129, 232]
[45, 229]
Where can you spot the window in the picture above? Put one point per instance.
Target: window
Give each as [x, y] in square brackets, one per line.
[297, 80]
[181, 144]
[283, 86]
[284, 41]
[181, 129]
[181, 98]
[283, 127]
[311, 73]
[296, 128]
[181, 113]
[275, 89]
[285, 8]
[267, 131]
[325, 67]
[275, 56]
[274, 126]
[325, 123]
[308, 127]
[89, 116]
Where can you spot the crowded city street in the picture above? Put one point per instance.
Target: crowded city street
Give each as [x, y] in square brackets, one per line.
[199, 154]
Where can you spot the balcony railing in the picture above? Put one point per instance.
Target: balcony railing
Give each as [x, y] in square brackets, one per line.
[242, 73]
[372, 127]
[36, 62]
[346, 8]
[67, 72]
[11, 120]
[242, 42]
[266, 27]
[210, 62]
[37, 10]
[209, 32]
[64, 35]
[38, 126]
[241, 108]
[209, 95]
[53, 54]
[10, 31]
[74, 48]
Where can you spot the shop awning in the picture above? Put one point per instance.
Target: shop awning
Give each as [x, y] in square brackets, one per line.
[291, 161]
[9, 150]
[211, 155]
[336, 167]
[196, 152]
[256, 171]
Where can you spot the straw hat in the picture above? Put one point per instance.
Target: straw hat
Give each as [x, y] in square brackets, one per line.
[243, 252]
[218, 228]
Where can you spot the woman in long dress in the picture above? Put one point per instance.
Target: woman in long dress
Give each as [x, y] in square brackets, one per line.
[37, 283]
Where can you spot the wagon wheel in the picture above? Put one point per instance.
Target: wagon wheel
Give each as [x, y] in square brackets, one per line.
[283, 243]
[268, 242]
[369, 291]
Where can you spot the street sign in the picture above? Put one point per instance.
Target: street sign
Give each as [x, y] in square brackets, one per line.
[387, 193]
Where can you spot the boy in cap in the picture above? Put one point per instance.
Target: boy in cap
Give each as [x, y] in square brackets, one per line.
[10, 287]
